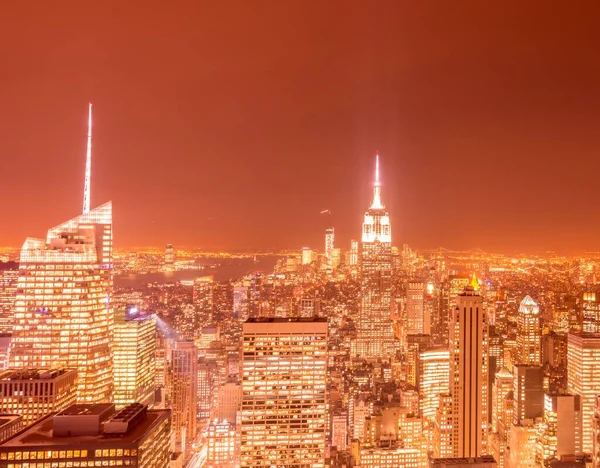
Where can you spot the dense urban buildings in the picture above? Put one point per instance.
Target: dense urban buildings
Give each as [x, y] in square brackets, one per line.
[369, 355]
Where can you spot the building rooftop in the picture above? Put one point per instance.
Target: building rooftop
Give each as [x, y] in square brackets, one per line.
[41, 433]
[462, 461]
[33, 374]
[285, 320]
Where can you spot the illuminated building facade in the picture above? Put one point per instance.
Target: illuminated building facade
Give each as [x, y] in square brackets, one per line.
[590, 311]
[416, 322]
[529, 333]
[203, 301]
[329, 244]
[353, 260]
[34, 393]
[502, 414]
[469, 374]
[10, 424]
[169, 257]
[219, 441]
[434, 379]
[87, 435]
[386, 457]
[8, 292]
[528, 388]
[375, 332]
[283, 415]
[182, 393]
[307, 255]
[63, 315]
[309, 307]
[134, 359]
[478, 462]
[583, 356]
[560, 430]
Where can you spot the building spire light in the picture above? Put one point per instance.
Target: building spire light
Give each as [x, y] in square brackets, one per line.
[377, 205]
[88, 166]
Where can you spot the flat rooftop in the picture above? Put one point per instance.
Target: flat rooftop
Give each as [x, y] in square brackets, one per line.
[285, 320]
[33, 374]
[40, 434]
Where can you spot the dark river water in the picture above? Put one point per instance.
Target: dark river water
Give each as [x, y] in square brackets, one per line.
[221, 269]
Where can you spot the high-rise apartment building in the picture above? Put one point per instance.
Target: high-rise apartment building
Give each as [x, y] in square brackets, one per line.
[34, 393]
[134, 359]
[529, 333]
[63, 314]
[203, 301]
[92, 435]
[583, 356]
[182, 394]
[375, 331]
[469, 374]
[283, 416]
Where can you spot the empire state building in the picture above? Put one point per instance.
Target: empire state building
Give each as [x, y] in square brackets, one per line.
[375, 333]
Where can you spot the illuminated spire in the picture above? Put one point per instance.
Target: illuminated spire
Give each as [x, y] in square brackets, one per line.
[377, 205]
[474, 283]
[88, 166]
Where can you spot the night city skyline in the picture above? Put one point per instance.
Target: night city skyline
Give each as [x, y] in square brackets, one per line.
[234, 128]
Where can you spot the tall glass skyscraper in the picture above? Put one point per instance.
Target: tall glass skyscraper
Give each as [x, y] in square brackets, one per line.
[63, 315]
[375, 332]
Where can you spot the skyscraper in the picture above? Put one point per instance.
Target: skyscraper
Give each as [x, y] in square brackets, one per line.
[182, 392]
[134, 358]
[468, 374]
[63, 315]
[583, 379]
[375, 334]
[8, 290]
[529, 333]
[329, 244]
[169, 257]
[416, 323]
[283, 415]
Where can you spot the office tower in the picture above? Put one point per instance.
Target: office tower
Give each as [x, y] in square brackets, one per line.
[92, 435]
[307, 255]
[375, 333]
[208, 383]
[468, 373]
[134, 358]
[203, 301]
[169, 257]
[361, 410]
[529, 333]
[219, 442]
[434, 379]
[486, 461]
[353, 253]
[33, 393]
[336, 257]
[590, 311]
[449, 292]
[522, 446]
[8, 292]
[283, 414]
[583, 356]
[329, 244]
[63, 315]
[416, 322]
[560, 431]
[309, 307]
[528, 387]
[182, 393]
